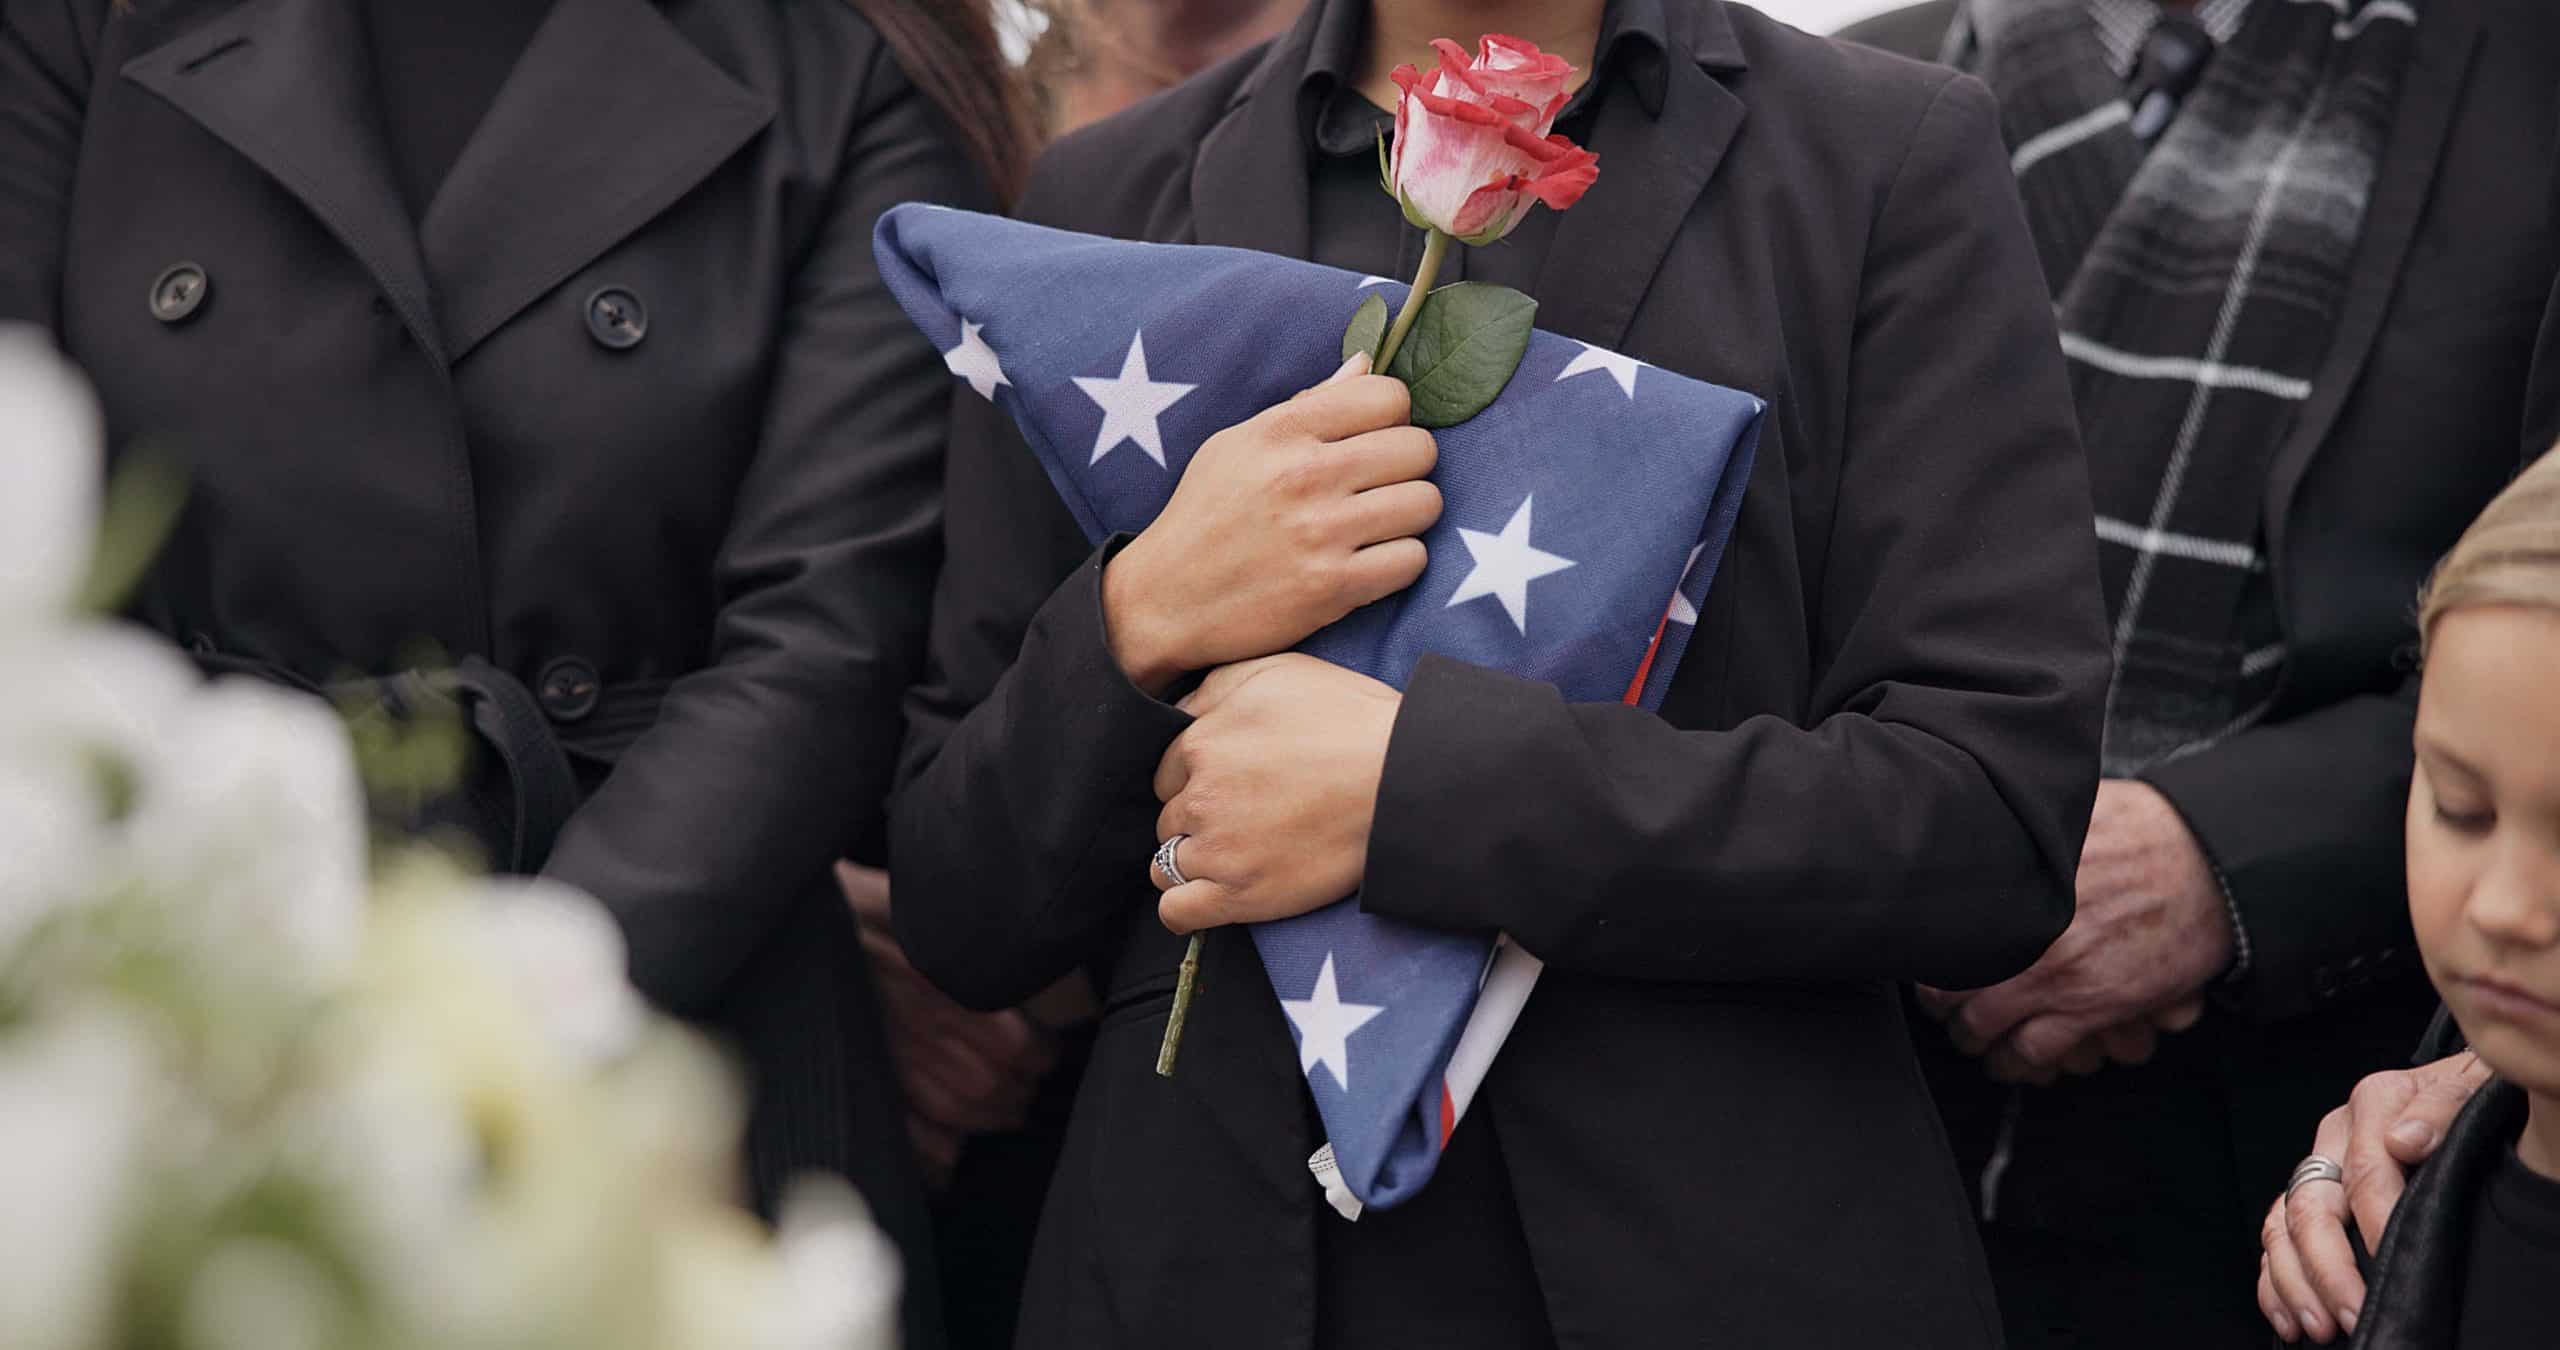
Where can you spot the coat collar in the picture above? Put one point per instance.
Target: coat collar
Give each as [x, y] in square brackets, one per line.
[2413, 1300]
[608, 118]
[1249, 181]
[283, 83]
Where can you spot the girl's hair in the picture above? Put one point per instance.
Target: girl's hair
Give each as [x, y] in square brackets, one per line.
[2509, 556]
[949, 48]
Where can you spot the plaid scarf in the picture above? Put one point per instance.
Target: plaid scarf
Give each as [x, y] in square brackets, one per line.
[2195, 286]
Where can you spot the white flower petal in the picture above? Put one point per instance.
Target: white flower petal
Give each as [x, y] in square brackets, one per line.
[75, 1093]
[566, 958]
[250, 804]
[839, 1273]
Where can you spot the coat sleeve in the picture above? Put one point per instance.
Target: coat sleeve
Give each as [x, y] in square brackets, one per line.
[2302, 821]
[46, 49]
[1923, 820]
[762, 763]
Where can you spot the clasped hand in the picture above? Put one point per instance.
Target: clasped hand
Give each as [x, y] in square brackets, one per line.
[1281, 525]
[1274, 788]
[2149, 934]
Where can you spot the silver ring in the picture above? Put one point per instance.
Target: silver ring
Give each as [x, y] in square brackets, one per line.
[1164, 860]
[2317, 1167]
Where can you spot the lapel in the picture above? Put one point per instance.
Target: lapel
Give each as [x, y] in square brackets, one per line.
[283, 82]
[1249, 180]
[610, 116]
[2430, 89]
[1609, 245]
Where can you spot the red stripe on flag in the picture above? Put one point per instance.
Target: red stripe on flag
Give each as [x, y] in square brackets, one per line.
[1635, 688]
[1448, 1114]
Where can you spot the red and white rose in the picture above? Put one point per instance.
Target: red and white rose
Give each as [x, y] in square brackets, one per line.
[1474, 143]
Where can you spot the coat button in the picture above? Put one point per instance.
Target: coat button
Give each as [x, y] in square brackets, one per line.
[179, 292]
[569, 689]
[616, 319]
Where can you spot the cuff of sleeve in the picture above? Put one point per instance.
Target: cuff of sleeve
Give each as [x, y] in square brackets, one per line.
[1419, 869]
[1087, 685]
[2306, 934]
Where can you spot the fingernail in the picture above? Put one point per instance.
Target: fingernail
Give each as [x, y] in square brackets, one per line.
[2347, 1320]
[1357, 366]
[2414, 1134]
[2311, 1322]
[2285, 1329]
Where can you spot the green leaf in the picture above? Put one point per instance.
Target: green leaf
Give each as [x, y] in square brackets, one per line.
[142, 505]
[1368, 328]
[1462, 349]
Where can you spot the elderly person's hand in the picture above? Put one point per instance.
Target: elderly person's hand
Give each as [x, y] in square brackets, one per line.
[963, 1072]
[2149, 934]
[2307, 1280]
[1272, 791]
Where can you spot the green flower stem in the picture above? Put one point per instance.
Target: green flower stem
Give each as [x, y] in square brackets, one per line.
[1185, 984]
[1434, 248]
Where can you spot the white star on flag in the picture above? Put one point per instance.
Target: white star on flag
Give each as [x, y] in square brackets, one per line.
[1681, 610]
[1505, 565]
[1621, 368]
[1325, 1024]
[973, 360]
[1131, 403]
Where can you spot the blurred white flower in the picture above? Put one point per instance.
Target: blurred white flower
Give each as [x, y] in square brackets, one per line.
[250, 806]
[46, 833]
[51, 475]
[75, 1094]
[255, 1293]
[839, 1273]
[81, 710]
[566, 958]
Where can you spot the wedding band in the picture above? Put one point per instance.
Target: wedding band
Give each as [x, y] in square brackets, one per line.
[2315, 1168]
[1165, 864]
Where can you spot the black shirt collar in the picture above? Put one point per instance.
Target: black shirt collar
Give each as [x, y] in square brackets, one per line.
[1634, 39]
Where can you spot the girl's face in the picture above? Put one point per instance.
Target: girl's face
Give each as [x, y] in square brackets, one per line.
[2484, 834]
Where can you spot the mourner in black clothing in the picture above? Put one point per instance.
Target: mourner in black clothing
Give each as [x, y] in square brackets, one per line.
[1874, 766]
[546, 337]
[2471, 1256]
[2396, 1118]
[2364, 189]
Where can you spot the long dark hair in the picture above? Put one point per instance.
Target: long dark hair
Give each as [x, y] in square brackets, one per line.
[949, 48]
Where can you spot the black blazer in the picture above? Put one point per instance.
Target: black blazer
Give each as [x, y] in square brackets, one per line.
[630, 408]
[2420, 413]
[1876, 763]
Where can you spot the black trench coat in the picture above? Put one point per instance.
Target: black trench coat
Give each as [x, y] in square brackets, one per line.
[628, 415]
[1875, 765]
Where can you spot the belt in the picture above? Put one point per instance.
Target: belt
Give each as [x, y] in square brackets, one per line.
[504, 713]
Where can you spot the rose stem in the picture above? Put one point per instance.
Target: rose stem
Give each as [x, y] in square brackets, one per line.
[1184, 986]
[1434, 248]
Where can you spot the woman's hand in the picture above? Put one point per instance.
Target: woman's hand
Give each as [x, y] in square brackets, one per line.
[2308, 1285]
[963, 1072]
[1281, 525]
[1276, 785]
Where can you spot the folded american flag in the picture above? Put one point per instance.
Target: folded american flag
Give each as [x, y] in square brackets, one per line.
[1593, 496]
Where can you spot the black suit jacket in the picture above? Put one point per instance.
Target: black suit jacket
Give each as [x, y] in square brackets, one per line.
[1875, 764]
[2425, 405]
[404, 431]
